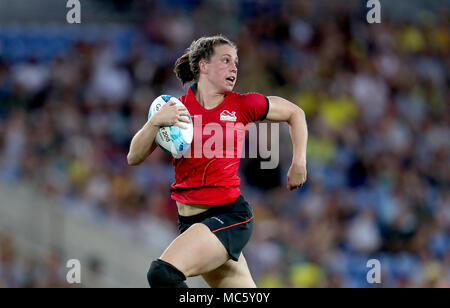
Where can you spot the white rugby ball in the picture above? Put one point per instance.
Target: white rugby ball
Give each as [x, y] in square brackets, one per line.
[172, 139]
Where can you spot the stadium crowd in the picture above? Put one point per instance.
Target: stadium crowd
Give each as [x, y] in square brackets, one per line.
[378, 150]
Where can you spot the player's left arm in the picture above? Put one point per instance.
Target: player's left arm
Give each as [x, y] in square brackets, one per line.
[282, 110]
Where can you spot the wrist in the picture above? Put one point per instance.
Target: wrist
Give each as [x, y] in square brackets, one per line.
[153, 122]
[299, 161]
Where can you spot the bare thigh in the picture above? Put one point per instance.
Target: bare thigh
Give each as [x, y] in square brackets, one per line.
[196, 251]
[232, 274]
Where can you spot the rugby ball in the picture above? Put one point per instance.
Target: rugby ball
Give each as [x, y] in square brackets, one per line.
[172, 139]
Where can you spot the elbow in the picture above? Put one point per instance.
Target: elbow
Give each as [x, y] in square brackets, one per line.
[301, 112]
[296, 115]
[132, 161]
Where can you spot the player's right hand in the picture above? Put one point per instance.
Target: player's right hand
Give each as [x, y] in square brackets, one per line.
[170, 114]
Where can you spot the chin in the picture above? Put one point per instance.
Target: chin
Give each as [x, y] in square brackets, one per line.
[229, 88]
[224, 88]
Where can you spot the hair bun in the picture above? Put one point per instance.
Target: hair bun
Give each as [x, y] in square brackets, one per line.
[183, 69]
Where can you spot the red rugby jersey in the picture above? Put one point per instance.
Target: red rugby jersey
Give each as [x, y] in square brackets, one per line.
[208, 173]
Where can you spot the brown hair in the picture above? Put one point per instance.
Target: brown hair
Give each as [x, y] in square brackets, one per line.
[187, 68]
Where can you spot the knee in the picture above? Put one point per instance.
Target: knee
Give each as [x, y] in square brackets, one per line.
[164, 275]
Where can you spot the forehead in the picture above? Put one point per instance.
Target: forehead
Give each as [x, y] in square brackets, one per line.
[225, 49]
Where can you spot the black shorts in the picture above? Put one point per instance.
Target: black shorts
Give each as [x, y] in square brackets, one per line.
[232, 224]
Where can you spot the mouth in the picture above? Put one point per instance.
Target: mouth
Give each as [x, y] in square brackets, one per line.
[231, 79]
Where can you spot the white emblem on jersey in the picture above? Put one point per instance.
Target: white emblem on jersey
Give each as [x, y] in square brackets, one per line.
[228, 116]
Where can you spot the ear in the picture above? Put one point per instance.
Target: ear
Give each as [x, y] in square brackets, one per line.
[203, 65]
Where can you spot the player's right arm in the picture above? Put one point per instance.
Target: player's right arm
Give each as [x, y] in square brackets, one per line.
[143, 143]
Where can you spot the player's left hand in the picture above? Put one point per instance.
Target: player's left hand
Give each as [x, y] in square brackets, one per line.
[296, 175]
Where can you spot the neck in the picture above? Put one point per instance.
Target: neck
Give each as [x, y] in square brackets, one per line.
[208, 97]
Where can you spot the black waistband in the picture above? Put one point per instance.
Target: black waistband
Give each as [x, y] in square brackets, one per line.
[219, 209]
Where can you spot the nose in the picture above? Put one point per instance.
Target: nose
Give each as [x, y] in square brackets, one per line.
[234, 68]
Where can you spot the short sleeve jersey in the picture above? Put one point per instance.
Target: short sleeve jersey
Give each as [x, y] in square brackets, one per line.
[207, 173]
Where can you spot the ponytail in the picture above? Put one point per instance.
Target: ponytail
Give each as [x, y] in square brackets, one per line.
[183, 69]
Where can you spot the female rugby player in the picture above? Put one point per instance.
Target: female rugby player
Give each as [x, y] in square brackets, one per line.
[215, 221]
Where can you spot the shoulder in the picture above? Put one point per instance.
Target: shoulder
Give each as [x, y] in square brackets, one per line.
[253, 106]
[246, 97]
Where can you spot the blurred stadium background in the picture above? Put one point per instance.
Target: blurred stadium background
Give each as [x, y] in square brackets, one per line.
[376, 99]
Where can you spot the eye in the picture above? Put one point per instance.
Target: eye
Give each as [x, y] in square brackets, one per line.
[226, 61]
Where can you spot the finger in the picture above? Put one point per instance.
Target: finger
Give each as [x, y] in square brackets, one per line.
[184, 113]
[183, 119]
[182, 126]
[292, 187]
